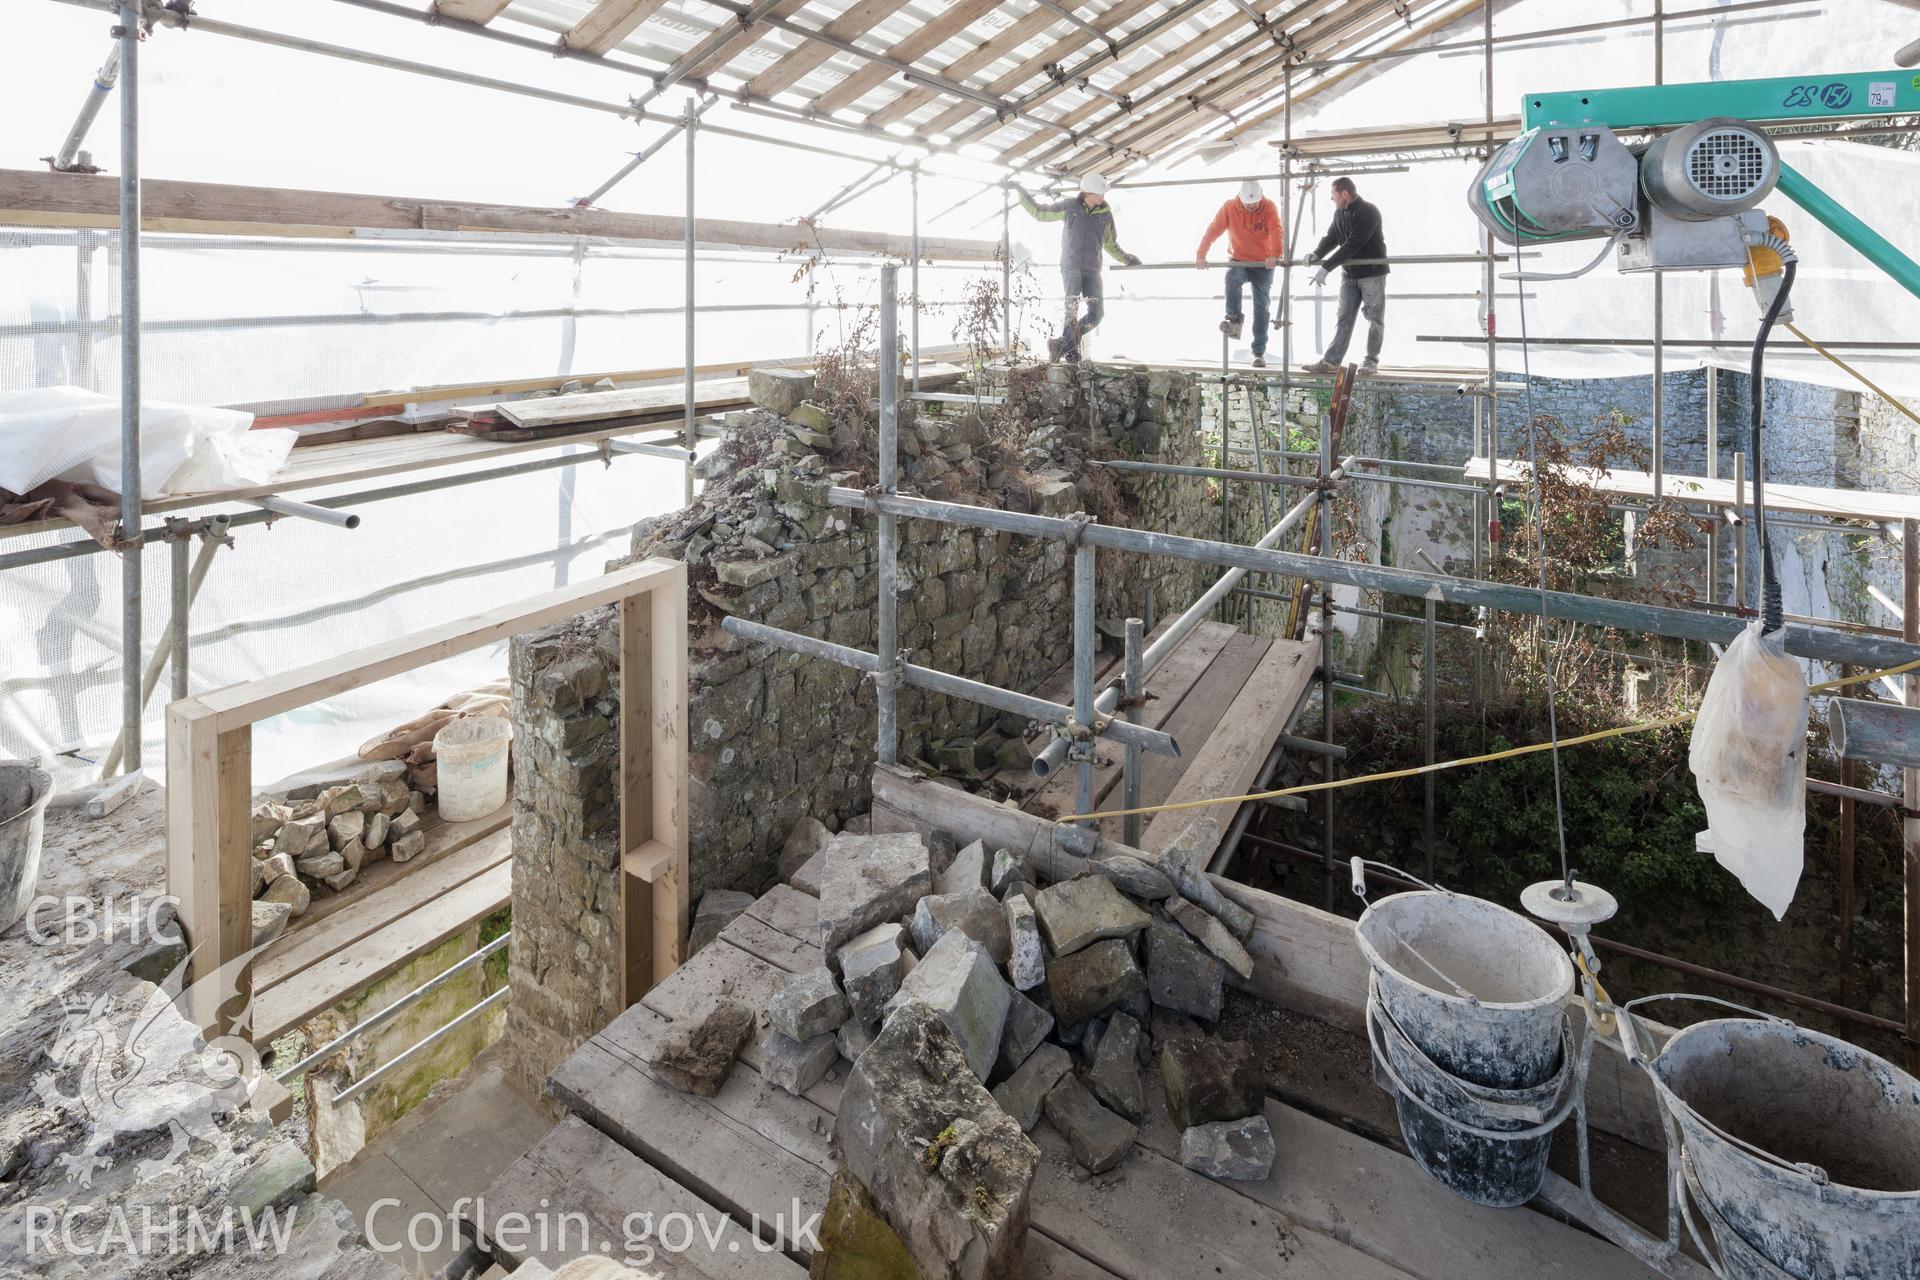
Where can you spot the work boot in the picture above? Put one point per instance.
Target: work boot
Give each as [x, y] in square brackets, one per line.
[1055, 346]
[1259, 361]
[1369, 367]
[1322, 366]
[1231, 326]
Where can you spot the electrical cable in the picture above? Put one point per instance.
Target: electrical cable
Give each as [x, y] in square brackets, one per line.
[1772, 609]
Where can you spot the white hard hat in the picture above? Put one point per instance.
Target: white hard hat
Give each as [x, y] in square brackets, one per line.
[1250, 193]
[1093, 185]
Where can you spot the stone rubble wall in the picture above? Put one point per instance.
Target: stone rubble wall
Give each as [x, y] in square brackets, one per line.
[776, 737]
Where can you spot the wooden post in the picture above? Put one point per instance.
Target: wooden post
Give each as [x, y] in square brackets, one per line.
[210, 862]
[653, 785]
[1847, 779]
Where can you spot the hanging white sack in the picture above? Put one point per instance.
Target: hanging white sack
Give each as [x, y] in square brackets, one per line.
[1749, 757]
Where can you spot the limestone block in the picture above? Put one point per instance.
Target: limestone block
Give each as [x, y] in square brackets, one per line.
[1208, 1079]
[1027, 957]
[947, 1168]
[868, 880]
[1093, 980]
[968, 870]
[1181, 974]
[1027, 1025]
[346, 828]
[716, 909]
[798, 1065]
[290, 889]
[806, 838]
[1238, 1149]
[1212, 935]
[696, 1053]
[872, 966]
[1099, 1138]
[269, 920]
[974, 912]
[807, 1004]
[1023, 1094]
[1115, 1075]
[408, 846]
[956, 979]
[1077, 913]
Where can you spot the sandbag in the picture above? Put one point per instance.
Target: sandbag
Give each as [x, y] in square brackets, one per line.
[1749, 759]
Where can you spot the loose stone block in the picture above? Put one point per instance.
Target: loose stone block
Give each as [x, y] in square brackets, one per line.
[974, 912]
[408, 846]
[269, 920]
[268, 819]
[375, 834]
[1238, 1149]
[872, 966]
[1208, 1079]
[855, 1241]
[291, 890]
[716, 909]
[956, 979]
[869, 880]
[404, 823]
[806, 838]
[798, 1065]
[1099, 1138]
[1115, 1076]
[1184, 862]
[353, 853]
[1023, 1094]
[967, 871]
[1008, 867]
[854, 1036]
[320, 865]
[1027, 1025]
[1181, 974]
[807, 1004]
[1212, 935]
[806, 877]
[1075, 914]
[302, 836]
[946, 1167]
[1093, 980]
[695, 1054]
[345, 828]
[1027, 956]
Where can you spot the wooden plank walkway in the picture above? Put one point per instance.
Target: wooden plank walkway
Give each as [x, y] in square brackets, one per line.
[1795, 499]
[1336, 1208]
[1225, 696]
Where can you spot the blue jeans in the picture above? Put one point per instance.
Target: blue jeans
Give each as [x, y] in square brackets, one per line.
[1261, 279]
[1368, 293]
[1081, 284]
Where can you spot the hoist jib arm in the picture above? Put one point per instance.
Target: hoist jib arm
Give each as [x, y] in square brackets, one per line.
[1782, 98]
[1852, 96]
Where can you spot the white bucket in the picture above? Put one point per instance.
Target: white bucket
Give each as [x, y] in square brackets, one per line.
[471, 755]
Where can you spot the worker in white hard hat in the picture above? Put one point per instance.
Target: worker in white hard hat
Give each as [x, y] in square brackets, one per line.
[1255, 242]
[1088, 232]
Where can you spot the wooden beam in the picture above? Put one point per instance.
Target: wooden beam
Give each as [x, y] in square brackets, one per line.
[994, 47]
[953, 20]
[608, 23]
[243, 704]
[788, 70]
[92, 200]
[481, 11]
[742, 39]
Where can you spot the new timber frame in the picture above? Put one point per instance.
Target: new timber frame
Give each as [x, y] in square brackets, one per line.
[210, 753]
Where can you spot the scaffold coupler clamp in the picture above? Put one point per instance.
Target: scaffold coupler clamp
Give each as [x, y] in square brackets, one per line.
[1076, 529]
[893, 675]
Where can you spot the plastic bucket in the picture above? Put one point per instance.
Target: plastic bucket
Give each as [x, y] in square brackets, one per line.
[1472, 1020]
[24, 793]
[471, 756]
[1806, 1147]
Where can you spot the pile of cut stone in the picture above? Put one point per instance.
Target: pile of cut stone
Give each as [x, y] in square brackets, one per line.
[318, 837]
[973, 1003]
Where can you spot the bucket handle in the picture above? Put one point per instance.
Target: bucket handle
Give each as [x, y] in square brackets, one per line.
[1630, 1042]
[1377, 1014]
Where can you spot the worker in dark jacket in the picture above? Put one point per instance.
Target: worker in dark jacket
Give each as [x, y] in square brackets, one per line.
[1088, 231]
[1355, 233]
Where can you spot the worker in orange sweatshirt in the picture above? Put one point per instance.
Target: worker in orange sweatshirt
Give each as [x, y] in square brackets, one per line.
[1254, 236]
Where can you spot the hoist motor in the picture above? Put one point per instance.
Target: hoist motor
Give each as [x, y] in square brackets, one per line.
[1683, 202]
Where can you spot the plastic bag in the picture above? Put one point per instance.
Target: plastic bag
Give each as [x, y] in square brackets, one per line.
[1749, 757]
[67, 433]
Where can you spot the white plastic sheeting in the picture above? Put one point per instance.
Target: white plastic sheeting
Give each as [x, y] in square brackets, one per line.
[69, 433]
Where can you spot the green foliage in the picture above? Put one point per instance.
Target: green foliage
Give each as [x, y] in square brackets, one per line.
[496, 964]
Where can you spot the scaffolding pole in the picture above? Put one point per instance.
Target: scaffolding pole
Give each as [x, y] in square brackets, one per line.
[887, 680]
[1910, 794]
[1084, 643]
[914, 285]
[689, 124]
[131, 707]
[1133, 691]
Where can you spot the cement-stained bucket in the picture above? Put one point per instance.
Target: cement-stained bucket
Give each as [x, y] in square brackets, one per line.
[1468, 1017]
[1805, 1147]
[24, 793]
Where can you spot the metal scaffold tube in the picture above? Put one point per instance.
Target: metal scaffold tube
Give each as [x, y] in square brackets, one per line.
[130, 601]
[66, 160]
[689, 124]
[887, 680]
[1162, 648]
[1133, 687]
[1084, 642]
[914, 285]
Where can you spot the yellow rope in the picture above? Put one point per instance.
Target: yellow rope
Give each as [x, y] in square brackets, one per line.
[1647, 726]
[1864, 381]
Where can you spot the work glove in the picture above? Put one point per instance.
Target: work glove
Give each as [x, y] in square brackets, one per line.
[1319, 277]
[1133, 259]
[1200, 262]
[1272, 263]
